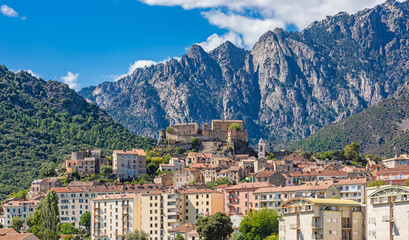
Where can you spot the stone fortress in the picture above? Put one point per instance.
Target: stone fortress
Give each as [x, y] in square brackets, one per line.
[184, 132]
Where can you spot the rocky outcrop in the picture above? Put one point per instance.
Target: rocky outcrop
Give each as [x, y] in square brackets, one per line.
[287, 87]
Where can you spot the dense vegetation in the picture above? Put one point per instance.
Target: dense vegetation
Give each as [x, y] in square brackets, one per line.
[380, 129]
[43, 122]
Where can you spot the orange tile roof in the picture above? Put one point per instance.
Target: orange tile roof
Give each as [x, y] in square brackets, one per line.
[196, 191]
[184, 228]
[391, 170]
[265, 173]
[139, 152]
[350, 181]
[322, 185]
[249, 185]
[114, 196]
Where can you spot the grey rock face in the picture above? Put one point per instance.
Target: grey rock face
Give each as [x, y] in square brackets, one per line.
[287, 87]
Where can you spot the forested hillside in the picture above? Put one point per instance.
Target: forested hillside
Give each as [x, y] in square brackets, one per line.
[43, 122]
[381, 129]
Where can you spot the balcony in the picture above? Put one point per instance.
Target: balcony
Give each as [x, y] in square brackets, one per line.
[386, 218]
[293, 226]
[316, 225]
[317, 236]
[125, 205]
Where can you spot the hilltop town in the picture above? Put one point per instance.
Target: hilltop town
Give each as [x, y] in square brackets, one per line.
[165, 197]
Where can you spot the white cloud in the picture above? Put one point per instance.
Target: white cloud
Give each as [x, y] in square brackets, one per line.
[215, 40]
[8, 11]
[33, 73]
[249, 19]
[71, 79]
[139, 64]
[24, 17]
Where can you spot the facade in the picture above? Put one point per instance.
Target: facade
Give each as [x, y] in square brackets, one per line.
[402, 160]
[272, 197]
[394, 176]
[129, 164]
[198, 157]
[352, 189]
[313, 218]
[272, 176]
[20, 208]
[75, 201]
[86, 162]
[186, 129]
[239, 198]
[112, 216]
[185, 176]
[196, 202]
[164, 179]
[43, 185]
[387, 215]
[187, 230]
[174, 164]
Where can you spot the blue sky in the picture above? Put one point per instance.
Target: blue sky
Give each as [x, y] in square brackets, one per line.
[87, 42]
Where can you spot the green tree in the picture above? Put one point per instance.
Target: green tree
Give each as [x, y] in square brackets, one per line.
[67, 228]
[46, 218]
[235, 126]
[270, 156]
[259, 224]
[48, 170]
[20, 194]
[237, 236]
[17, 223]
[272, 237]
[106, 170]
[194, 141]
[137, 235]
[178, 150]
[179, 237]
[377, 183]
[169, 130]
[351, 151]
[30, 221]
[1, 225]
[215, 227]
[151, 169]
[85, 220]
[68, 237]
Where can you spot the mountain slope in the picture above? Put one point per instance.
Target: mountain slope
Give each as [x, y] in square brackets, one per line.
[381, 129]
[43, 121]
[290, 85]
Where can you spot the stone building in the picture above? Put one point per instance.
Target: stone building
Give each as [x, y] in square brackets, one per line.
[129, 164]
[86, 162]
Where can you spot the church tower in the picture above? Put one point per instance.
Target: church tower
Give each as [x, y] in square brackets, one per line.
[261, 149]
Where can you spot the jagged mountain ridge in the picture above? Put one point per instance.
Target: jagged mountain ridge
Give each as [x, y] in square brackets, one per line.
[290, 85]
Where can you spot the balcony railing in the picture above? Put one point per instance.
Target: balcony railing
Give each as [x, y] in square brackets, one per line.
[317, 236]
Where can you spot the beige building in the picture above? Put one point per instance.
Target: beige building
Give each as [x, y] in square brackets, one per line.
[315, 218]
[43, 185]
[402, 160]
[186, 128]
[198, 202]
[387, 213]
[129, 164]
[19, 208]
[173, 165]
[185, 176]
[272, 197]
[112, 216]
[187, 231]
[86, 162]
[352, 188]
[272, 176]
[164, 179]
[75, 201]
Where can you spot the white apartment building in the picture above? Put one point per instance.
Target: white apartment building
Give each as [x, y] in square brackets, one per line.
[387, 213]
[20, 208]
[319, 218]
[173, 165]
[352, 188]
[112, 216]
[75, 201]
[129, 164]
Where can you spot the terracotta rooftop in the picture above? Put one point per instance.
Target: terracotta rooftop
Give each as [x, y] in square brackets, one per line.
[350, 181]
[295, 157]
[184, 228]
[392, 170]
[265, 173]
[109, 188]
[321, 185]
[114, 196]
[196, 191]
[254, 185]
[139, 152]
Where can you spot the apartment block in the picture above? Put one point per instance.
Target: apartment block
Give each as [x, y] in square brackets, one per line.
[112, 216]
[397, 161]
[196, 202]
[43, 185]
[158, 212]
[314, 218]
[239, 198]
[387, 214]
[352, 188]
[129, 164]
[19, 207]
[86, 162]
[270, 197]
[75, 201]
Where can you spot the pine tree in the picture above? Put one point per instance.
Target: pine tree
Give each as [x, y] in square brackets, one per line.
[47, 218]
